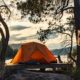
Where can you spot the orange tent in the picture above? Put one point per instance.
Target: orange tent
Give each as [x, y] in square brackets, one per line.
[34, 52]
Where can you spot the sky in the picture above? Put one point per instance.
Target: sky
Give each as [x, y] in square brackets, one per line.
[22, 31]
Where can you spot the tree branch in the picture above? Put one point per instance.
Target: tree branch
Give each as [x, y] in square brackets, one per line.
[68, 8]
[64, 33]
[6, 7]
[63, 9]
[2, 6]
[5, 27]
[3, 42]
[5, 39]
[72, 58]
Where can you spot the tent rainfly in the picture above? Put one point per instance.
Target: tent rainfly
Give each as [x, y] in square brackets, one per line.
[33, 51]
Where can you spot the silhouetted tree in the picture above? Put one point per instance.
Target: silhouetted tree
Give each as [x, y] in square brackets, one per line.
[38, 7]
[60, 29]
[77, 29]
[4, 39]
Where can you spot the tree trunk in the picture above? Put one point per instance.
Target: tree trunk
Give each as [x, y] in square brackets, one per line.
[5, 43]
[59, 58]
[77, 28]
[2, 63]
[5, 39]
[71, 47]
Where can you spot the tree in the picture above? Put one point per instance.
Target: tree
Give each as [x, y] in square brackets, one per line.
[4, 40]
[40, 8]
[77, 28]
[60, 29]
[58, 7]
[4, 47]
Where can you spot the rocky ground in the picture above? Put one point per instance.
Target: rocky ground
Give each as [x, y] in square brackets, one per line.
[31, 75]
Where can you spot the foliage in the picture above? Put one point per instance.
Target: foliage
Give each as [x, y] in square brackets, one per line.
[36, 9]
[57, 29]
[9, 52]
[66, 29]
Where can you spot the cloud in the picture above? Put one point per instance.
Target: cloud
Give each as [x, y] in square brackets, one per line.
[35, 36]
[21, 38]
[52, 36]
[18, 27]
[16, 38]
[15, 35]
